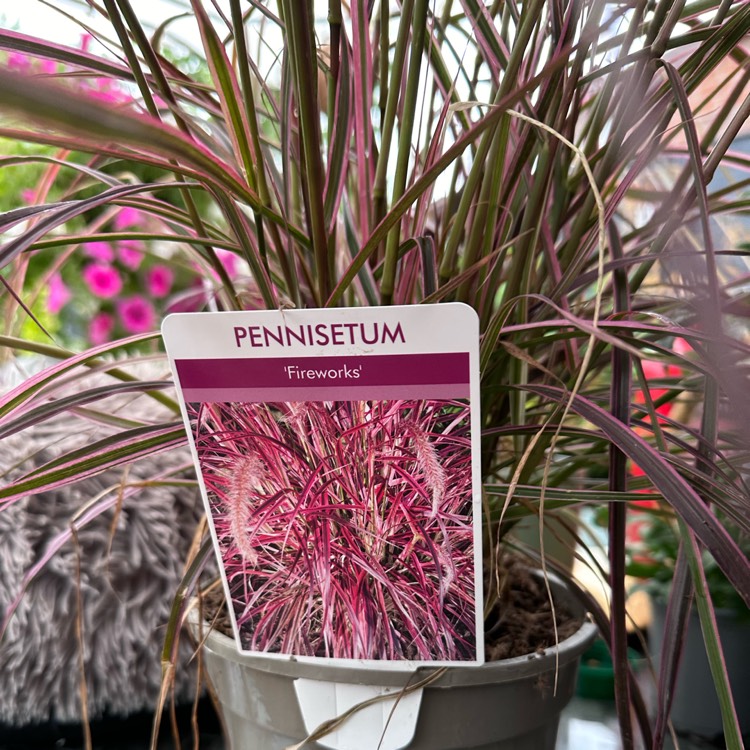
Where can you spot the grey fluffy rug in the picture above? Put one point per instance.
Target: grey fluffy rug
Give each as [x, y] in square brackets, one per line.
[127, 583]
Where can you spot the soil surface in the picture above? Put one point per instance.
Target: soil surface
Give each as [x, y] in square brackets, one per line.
[520, 622]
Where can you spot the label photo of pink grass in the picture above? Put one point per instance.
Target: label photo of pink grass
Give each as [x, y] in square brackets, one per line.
[340, 482]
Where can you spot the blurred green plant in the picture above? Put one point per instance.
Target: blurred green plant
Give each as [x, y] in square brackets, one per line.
[654, 556]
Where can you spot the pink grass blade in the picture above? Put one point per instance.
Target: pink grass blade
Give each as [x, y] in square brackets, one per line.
[304, 65]
[66, 212]
[714, 651]
[340, 131]
[26, 390]
[248, 102]
[162, 86]
[117, 450]
[362, 77]
[97, 125]
[179, 604]
[433, 152]
[96, 174]
[9, 219]
[364, 283]
[405, 139]
[38, 414]
[111, 149]
[495, 53]
[242, 231]
[675, 630]
[496, 325]
[619, 393]
[25, 307]
[692, 335]
[425, 181]
[82, 239]
[229, 93]
[17, 42]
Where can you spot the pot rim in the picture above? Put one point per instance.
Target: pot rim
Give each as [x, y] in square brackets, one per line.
[567, 651]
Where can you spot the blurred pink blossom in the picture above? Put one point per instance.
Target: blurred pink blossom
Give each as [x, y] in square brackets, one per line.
[100, 251]
[103, 280]
[18, 61]
[28, 195]
[127, 217]
[159, 281]
[130, 253]
[102, 88]
[25, 64]
[229, 261]
[100, 328]
[107, 91]
[137, 314]
[59, 294]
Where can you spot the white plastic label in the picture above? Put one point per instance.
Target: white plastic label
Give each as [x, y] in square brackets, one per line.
[387, 724]
[338, 455]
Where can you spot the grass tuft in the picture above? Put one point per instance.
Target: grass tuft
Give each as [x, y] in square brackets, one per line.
[345, 527]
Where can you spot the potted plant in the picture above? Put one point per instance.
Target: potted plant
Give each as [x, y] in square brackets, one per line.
[695, 706]
[537, 161]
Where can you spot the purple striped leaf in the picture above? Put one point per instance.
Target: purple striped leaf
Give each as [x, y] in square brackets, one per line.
[34, 416]
[117, 450]
[26, 390]
[676, 491]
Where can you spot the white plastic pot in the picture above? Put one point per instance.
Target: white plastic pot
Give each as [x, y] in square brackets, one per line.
[269, 704]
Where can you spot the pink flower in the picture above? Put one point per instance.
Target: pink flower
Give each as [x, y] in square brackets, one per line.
[22, 62]
[107, 91]
[159, 281]
[103, 280]
[59, 294]
[100, 251]
[128, 217]
[229, 261]
[18, 61]
[137, 314]
[28, 195]
[130, 253]
[100, 328]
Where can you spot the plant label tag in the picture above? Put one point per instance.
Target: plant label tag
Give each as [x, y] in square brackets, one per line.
[338, 456]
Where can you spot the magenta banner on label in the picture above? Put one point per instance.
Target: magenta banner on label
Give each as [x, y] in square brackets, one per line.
[443, 375]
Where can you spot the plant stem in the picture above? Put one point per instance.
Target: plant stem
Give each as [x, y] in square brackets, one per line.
[145, 46]
[258, 162]
[298, 18]
[620, 406]
[391, 106]
[411, 97]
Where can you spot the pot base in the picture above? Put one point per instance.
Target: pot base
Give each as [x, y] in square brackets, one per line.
[505, 705]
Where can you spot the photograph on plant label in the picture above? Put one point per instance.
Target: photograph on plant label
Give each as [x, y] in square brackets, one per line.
[345, 527]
